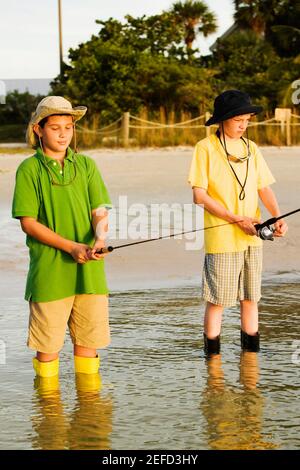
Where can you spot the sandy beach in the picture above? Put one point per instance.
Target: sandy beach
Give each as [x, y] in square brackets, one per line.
[155, 176]
[157, 390]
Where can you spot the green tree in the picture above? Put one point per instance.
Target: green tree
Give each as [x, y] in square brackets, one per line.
[250, 63]
[156, 34]
[253, 14]
[276, 20]
[131, 65]
[195, 17]
[283, 31]
[15, 115]
[18, 107]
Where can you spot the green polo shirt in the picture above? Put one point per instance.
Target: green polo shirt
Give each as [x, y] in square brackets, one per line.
[53, 274]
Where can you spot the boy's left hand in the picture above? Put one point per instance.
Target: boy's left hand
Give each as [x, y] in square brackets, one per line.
[280, 228]
[99, 243]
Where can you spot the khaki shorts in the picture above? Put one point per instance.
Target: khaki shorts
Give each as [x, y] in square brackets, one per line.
[86, 315]
[228, 277]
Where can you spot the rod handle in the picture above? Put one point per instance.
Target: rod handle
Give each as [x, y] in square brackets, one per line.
[107, 249]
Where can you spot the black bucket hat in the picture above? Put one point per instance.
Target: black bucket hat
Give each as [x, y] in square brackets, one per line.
[232, 103]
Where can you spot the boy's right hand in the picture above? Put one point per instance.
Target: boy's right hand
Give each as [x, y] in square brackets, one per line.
[79, 252]
[247, 224]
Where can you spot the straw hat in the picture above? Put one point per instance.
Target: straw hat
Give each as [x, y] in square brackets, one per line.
[47, 107]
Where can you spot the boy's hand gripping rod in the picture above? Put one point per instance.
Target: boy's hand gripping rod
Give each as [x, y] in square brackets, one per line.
[264, 231]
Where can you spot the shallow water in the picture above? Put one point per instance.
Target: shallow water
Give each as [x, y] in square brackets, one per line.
[158, 391]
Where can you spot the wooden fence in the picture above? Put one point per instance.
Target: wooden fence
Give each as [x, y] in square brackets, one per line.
[130, 131]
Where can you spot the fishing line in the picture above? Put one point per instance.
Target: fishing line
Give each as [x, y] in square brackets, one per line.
[111, 248]
[264, 231]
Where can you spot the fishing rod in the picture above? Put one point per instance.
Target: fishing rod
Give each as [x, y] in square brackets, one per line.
[264, 231]
[111, 248]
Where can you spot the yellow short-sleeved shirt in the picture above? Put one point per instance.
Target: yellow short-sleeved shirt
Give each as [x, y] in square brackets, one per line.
[210, 170]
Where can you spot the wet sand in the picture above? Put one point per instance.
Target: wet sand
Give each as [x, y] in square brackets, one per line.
[156, 176]
[157, 390]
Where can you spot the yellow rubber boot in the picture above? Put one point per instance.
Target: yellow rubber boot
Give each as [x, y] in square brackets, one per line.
[88, 382]
[86, 365]
[46, 369]
[46, 385]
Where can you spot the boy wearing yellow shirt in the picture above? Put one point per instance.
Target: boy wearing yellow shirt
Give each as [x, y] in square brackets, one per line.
[228, 173]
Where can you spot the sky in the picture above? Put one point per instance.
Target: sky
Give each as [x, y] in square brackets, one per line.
[29, 29]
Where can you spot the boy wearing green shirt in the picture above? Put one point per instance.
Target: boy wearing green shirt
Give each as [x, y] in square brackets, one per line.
[61, 202]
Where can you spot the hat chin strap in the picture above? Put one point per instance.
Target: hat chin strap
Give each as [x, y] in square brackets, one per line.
[75, 138]
[41, 145]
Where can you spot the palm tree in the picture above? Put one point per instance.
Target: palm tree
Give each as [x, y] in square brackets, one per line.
[254, 14]
[195, 17]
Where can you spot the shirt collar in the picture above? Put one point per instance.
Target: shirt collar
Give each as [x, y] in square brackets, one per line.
[41, 156]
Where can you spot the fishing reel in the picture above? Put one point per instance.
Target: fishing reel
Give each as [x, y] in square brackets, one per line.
[266, 232]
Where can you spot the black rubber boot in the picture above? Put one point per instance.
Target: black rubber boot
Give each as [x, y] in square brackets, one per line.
[211, 346]
[249, 342]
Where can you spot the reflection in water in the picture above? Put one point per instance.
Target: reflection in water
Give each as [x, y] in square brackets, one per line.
[155, 369]
[50, 424]
[234, 417]
[91, 420]
[89, 424]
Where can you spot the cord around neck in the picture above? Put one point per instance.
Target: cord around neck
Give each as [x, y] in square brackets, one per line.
[242, 194]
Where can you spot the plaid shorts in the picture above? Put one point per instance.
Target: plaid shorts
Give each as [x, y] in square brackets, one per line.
[228, 277]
